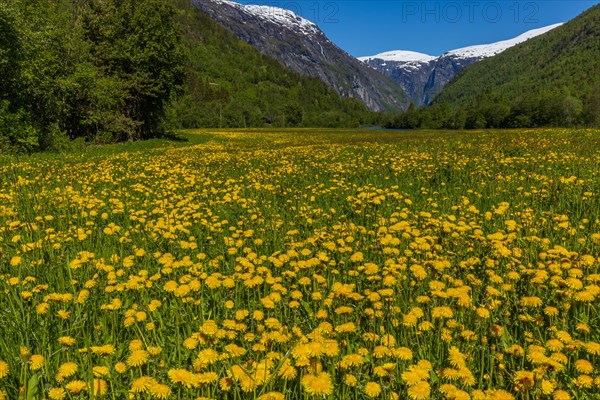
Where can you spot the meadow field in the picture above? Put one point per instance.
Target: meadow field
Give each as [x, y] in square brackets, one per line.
[304, 265]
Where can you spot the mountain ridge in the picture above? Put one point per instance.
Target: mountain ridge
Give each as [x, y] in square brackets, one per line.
[302, 46]
[423, 76]
[552, 78]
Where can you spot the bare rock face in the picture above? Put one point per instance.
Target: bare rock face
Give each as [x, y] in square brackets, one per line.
[303, 47]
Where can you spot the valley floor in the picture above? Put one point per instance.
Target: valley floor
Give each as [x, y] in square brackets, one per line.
[303, 264]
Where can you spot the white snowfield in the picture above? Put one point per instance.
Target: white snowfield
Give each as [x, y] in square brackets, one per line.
[280, 16]
[489, 50]
[400, 55]
[478, 51]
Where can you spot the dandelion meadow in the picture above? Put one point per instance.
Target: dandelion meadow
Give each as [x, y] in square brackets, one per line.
[305, 265]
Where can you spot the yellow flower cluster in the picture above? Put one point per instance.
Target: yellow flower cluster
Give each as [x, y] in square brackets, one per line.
[261, 265]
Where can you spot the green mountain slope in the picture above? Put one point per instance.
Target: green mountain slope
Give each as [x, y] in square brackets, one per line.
[230, 84]
[551, 79]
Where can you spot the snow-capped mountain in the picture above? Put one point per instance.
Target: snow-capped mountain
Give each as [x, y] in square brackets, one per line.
[423, 76]
[489, 50]
[276, 15]
[303, 47]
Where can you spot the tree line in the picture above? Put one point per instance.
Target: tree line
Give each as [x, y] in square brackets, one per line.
[101, 71]
[490, 110]
[94, 70]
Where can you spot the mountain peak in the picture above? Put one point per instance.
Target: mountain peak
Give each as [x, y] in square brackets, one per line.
[400, 56]
[423, 76]
[280, 16]
[303, 47]
[491, 49]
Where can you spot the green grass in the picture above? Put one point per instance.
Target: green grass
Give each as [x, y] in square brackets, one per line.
[475, 251]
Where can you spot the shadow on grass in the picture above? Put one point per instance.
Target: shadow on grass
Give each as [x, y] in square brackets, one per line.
[175, 137]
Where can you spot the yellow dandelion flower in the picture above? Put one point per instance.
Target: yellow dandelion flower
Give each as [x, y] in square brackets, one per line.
[105, 350]
[584, 381]
[100, 371]
[524, 379]
[456, 358]
[4, 369]
[345, 328]
[478, 395]
[583, 327]
[461, 395]
[410, 320]
[499, 394]
[100, 387]
[247, 384]
[356, 257]
[120, 367]
[42, 308]
[57, 394]
[66, 370]
[381, 352]
[190, 343]
[136, 344]
[205, 378]
[182, 376]
[554, 345]
[76, 386]
[420, 391]
[287, 371]
[318, 385]
[561, 395]
[531, 301]
[402, 353]
[66, 341]
[413, 375]
[159, 391]
[372, 389]
[380, 371]
[143, 384]
[154, 350]
[36, 362]
[271, 396]
[548, 386]
[584, 367]
[137, 358]
[442, 312]
[207, 357]
[350, 380]
[593, 348]
[447, 389]
[426, 366]
[226, 384]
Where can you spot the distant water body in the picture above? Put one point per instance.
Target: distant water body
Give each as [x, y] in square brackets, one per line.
[381, 128]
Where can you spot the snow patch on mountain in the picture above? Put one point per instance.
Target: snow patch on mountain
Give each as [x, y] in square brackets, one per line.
[478, 51]
[423, 76]
[489, 50]
[400, 56]
[276, 15]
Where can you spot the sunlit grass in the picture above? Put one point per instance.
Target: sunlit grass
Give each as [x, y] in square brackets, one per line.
[305, 264]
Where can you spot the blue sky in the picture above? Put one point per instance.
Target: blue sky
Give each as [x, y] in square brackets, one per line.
[363, 27]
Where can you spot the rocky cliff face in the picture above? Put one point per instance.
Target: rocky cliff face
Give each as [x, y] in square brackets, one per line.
[442, 71]
[423, 76]
[303, 47]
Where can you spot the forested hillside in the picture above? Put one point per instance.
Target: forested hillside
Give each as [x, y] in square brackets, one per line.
[552, 79]
[96, 70]
[230, 84]
[549, 80]
[112, 70]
